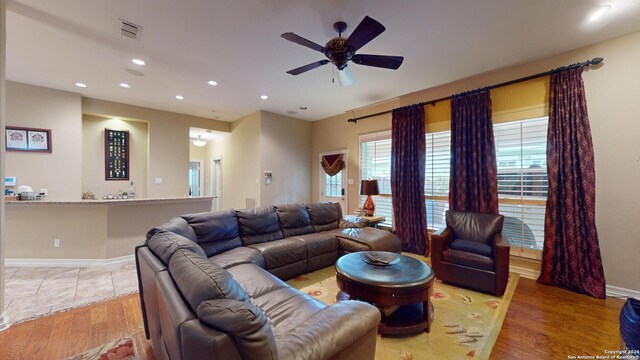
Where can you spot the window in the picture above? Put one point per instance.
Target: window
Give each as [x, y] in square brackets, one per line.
[375, 163]
[436, 184]
[521, 154]
[333, 185]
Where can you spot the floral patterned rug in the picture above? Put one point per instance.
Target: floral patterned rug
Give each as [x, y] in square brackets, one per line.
[465, 325]
[122, 349]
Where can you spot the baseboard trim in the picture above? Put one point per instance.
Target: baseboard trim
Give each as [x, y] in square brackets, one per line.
[525, 272]
[612, 291]
[4, 321]
[66, 262]
[622, 292]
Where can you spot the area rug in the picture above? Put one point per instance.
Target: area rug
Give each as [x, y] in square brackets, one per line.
[122, 349]
[465, 325]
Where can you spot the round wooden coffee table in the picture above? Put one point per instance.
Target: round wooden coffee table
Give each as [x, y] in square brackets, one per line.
[401, 289]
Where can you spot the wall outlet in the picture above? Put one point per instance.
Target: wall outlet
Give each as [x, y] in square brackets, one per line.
[56, 242]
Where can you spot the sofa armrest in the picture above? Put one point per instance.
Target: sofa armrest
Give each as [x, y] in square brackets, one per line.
[202, 342]
[501, 251]
[331, 331]
[440, 241]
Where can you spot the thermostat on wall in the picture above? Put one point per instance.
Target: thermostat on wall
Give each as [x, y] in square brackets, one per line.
[9, 181]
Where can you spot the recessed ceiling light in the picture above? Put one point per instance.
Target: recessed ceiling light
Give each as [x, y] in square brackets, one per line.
[125, 86]
[139, 62]
[212, 83]
[179, 97]
[82, 85]
[264, 97]
[598, 14]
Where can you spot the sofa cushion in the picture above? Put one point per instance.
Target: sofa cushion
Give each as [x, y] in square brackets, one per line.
[200, 280]
[259, 225]
[320, 243]
[281, 252]
[164, 244]
[472, 247]
[176, 225]
[294, 219]
[247, 324]
[256, 281]
[237, 256]
[287, 307]
[373, 239]
[474, 226]
[216, 232]
[324, 215]
[468, 259]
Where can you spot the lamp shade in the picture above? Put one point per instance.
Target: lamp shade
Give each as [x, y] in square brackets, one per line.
[369, 187]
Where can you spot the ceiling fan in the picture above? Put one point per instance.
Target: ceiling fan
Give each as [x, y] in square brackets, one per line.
[339, 51]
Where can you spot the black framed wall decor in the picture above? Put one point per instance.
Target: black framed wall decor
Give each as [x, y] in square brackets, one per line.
[116, 154]
[27, 139]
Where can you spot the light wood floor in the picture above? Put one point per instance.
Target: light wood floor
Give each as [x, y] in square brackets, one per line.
[543, 322]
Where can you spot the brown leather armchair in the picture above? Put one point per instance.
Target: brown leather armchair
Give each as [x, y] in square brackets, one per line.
[471, 252]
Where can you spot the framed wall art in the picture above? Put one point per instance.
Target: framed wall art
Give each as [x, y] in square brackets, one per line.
[116, 154]
[27, 139]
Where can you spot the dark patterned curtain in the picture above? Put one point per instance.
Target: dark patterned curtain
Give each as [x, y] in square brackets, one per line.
[408, 151]
[571, 254]
[473, 183]
[332, 164]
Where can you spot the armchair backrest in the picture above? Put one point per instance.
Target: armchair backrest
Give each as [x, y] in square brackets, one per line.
[474, 226]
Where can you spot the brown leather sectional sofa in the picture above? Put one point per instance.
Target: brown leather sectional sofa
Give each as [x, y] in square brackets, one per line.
[211, 285]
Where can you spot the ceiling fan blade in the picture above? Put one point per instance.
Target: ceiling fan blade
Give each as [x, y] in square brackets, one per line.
[345, 77]
[366, 31]
[302, 41]
[307, 67]
[381, 61]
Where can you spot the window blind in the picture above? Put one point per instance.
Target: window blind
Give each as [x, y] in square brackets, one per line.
[375, 163]
[436, 184]
[521, 148]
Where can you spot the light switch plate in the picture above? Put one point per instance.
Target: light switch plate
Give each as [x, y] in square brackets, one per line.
[158, 180]
[350, 181]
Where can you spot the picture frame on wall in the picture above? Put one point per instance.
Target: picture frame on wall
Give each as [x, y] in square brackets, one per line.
[116, 154]
[27, 139]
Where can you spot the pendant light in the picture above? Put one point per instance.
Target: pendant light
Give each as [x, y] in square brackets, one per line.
[199, 142]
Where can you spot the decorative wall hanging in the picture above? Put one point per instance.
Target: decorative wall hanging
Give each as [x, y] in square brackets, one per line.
[27, 139]
[332, 164]
[116, 154]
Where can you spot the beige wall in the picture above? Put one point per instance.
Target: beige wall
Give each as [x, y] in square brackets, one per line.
[168, 142]
[285, 150]
[61, 170]
[93, 156]
[612, 92]
[241, 163]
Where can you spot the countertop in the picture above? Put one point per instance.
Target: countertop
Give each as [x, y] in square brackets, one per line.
[109, 202]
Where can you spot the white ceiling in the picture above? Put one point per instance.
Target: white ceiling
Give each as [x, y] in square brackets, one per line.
[238, 44]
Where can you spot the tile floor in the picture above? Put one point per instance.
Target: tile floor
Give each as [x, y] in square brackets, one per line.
[36, 291]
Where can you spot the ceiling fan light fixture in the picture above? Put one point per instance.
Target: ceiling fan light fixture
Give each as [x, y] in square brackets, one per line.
[345, 77]
[199, 142]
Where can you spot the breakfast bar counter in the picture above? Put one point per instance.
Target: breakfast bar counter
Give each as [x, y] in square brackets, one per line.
[84, 232]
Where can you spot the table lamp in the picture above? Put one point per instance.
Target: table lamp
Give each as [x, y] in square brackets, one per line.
[369, 187]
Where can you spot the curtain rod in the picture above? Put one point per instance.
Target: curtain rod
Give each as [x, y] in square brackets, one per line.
[587, 63]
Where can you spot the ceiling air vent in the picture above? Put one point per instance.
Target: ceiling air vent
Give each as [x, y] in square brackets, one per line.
[129, 29]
